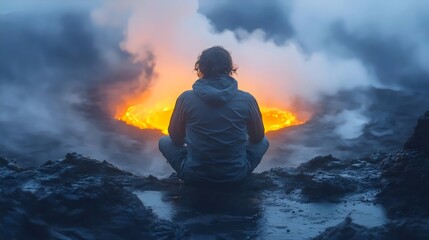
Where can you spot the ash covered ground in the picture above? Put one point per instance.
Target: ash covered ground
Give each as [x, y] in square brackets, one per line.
[382, 196]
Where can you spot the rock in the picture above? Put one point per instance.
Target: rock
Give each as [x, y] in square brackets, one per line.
[347, 230]
[77, 198]
[83, 198]
[405, 175]
[9, 165]
[326, 178]
[320, 162]
[328, 187]
[3, 162]
[419, 141]
[405, 184]
[407, 228]
[395, 230]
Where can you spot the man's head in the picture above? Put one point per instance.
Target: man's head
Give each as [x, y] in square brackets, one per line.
[213, 62]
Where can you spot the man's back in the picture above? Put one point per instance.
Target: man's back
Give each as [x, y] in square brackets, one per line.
[216, 117]
[214, 120]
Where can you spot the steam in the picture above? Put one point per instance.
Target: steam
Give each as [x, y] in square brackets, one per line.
[61, 79]
[387, 37]
[275, 74]
[66, 69]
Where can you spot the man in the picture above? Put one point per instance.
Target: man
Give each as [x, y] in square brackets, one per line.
[220, 125]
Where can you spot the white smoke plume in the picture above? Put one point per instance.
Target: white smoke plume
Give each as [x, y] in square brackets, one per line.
[176, 33]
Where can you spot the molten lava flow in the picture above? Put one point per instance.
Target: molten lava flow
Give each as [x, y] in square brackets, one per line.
[275, 119]
[159, 118]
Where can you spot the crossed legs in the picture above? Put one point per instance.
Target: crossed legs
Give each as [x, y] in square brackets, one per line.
[176, 155]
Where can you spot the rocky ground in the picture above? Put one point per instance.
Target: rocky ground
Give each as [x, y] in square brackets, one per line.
[383, 196]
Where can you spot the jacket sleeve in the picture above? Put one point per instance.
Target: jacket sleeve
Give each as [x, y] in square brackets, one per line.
[255, 126]
[176, 129]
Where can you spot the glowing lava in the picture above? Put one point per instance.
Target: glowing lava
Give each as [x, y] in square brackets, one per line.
[159, 118]
[275, 119]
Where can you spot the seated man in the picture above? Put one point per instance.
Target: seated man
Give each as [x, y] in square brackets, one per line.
[221, 126]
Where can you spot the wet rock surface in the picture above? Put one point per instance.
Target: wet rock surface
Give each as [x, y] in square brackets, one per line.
[76, 198]
[403, 193]
[82, 198]
[383, 196]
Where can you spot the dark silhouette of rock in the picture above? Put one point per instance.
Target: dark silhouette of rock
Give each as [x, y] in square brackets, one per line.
[405, 175]
[419, 141]
[405, 184]
[3, 162]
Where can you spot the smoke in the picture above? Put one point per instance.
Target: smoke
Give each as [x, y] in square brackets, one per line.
[389, 41]
[271, 17]
[275, 74]
[356, 70]
[388, 37]
[61, 79]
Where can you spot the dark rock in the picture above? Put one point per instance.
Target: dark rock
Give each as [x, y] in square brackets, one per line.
[76, 198]
[326, 178]
[419, 141]
[328, 187]
[320, 162]
[83, 198]
[9, 165]
[405, 175]
[410, 229]
[347, 230]
[405, 184]
[3, 162]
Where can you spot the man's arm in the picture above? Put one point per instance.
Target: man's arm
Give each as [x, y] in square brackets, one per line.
[255, 126]
[176, 129]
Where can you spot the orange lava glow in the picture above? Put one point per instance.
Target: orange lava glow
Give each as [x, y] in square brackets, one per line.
[159, 118]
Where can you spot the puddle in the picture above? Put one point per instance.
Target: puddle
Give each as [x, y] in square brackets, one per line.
[273, 217]
[295, 220]
[153, 200]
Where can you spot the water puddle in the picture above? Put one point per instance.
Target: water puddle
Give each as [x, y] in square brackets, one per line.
[153, 200]
[273, 217]
[295, 220]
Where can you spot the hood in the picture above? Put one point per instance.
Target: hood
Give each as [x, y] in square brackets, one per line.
[216, 90]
